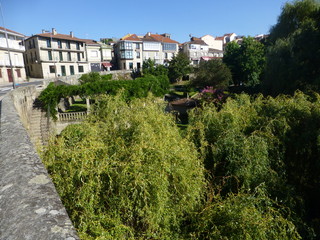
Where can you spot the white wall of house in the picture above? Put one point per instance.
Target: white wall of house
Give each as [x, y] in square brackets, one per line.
[16, 48]
[212, 42]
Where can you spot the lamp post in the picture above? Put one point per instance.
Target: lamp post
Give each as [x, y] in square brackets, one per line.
[8, 49]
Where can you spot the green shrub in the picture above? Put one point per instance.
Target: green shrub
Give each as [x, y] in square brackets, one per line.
[126, 173]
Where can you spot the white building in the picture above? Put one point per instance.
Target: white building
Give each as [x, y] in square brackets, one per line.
[215, 46]
[99, 56]
[50, 54]
[132, 50]
[16, 49]
[196, 50]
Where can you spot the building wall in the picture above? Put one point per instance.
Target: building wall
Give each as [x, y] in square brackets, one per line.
[146, 50]
[195, 52]
[16, 49]
[212, 42]
[38, 59]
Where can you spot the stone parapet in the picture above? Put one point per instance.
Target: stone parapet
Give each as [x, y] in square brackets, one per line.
[30, 207]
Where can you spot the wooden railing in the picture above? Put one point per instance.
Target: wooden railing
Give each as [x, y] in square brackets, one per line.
[72, 116]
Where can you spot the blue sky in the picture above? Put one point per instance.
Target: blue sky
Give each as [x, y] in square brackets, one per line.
[100, 19]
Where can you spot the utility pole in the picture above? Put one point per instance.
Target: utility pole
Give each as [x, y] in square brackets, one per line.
[8, 49]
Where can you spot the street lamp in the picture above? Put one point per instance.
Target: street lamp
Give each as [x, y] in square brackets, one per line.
[8, 49]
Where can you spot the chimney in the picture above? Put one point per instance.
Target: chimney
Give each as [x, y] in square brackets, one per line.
[54, 31]
[71, 34]
[149, 34]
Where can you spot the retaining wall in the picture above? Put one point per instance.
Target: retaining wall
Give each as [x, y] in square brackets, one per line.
[30, 207]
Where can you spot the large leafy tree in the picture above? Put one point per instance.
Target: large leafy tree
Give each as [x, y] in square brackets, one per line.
[293, 58]
[150, 67]
[212, 73]
[246, 61]
[179, 66]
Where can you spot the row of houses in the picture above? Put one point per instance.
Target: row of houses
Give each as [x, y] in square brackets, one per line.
[51, 54]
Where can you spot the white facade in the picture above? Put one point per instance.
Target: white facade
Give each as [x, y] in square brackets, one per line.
[50, 55]
[133, 50]
[196, 49]
[16, 49]
[212, 42]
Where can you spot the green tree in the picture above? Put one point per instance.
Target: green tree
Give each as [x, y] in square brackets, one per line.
[179, 66]
[149, 67]
[246, 62]
[126, 173]
[293, 57]
[212, 73]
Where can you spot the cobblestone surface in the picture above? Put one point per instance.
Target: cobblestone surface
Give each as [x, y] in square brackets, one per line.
[30, 207]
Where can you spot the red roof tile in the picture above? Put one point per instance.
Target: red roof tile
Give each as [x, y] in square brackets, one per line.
[60, 36]
[131, 37]
[8, 30]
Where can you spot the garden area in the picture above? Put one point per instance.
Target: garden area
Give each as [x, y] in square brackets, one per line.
[245, 165]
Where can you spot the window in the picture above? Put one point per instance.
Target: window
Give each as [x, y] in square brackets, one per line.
[125, 45]
[138, 54]
[78, 46]
[69, 56]
[137, 46]
[126, 55]
[63, 70]
[79, 56]
[49, 43]
[124, 65]
[68, 45]
[138, 65]
[166, 55]
[94, 53]
[130, 65]
[169, 47]
[71, 70]
[33, 44]
[52, 69]
[18, 73]
[80, 68]
[0, 73]
[59, 44]
[60, 56]
[50, 55]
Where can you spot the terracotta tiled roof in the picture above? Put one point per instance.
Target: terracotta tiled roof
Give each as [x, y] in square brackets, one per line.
[131, 37]
[90, 42]
[158, 38]
[8, 30]
[195, 40]
[161, 38]
[219, 38]
[60, 36]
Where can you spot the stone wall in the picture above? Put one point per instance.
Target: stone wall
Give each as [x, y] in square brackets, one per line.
[30, 207]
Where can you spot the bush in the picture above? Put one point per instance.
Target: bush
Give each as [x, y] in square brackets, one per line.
[126, 173]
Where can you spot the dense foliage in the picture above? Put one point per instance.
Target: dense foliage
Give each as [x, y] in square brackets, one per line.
[149, 67]
[246, 61]
[126, 173]
[179, 66]
[93, 76]
[212, 73]
[267, 143]
[93, 84]
[293, 57]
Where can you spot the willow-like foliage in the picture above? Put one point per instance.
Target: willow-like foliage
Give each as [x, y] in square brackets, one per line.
[126, 173]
